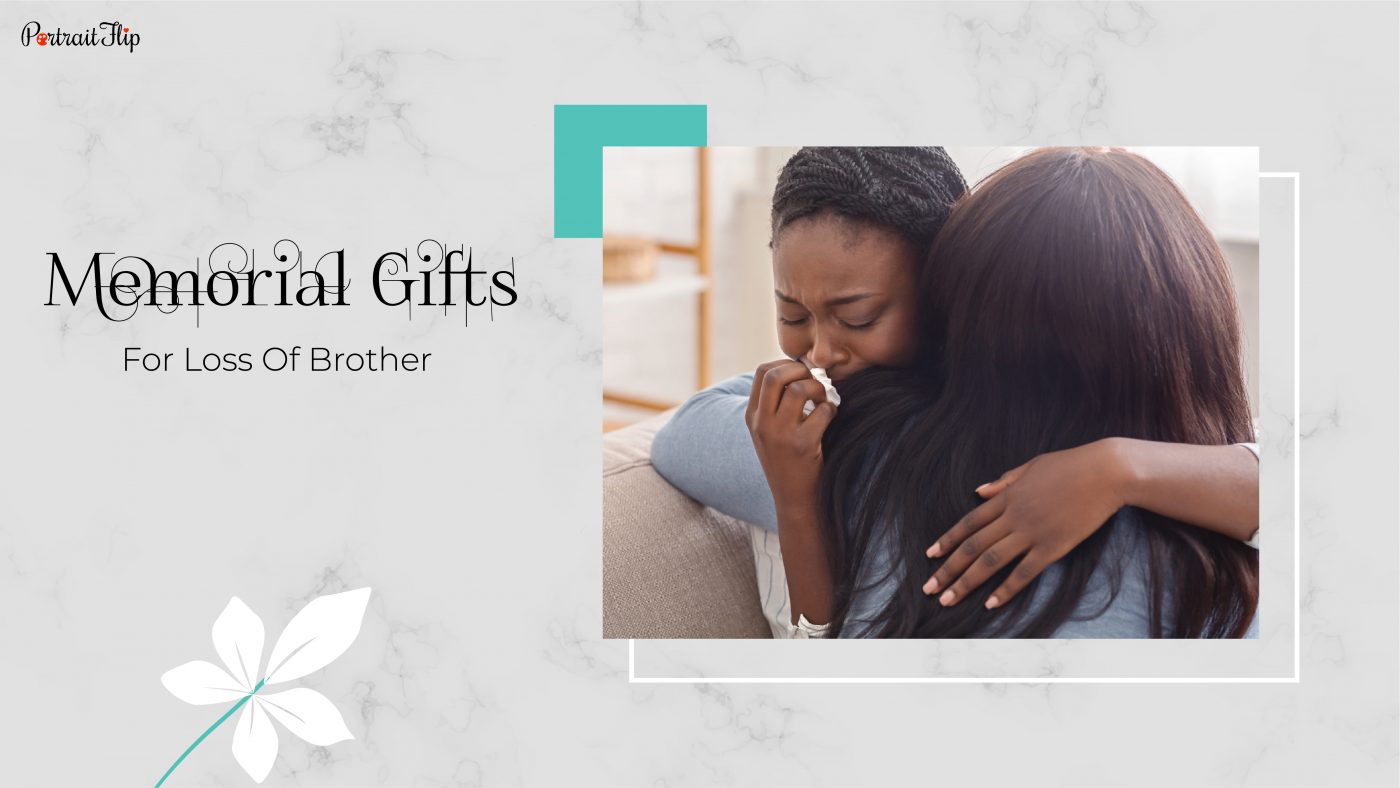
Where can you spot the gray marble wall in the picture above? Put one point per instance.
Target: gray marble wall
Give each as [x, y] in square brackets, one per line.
[136, 504]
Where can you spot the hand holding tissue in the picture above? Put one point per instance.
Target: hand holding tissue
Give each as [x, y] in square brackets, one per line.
[819, 375]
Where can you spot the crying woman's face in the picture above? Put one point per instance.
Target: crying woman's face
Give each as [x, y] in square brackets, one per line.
[846, 293]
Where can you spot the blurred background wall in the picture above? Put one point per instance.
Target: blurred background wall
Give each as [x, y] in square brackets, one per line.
[650, 326]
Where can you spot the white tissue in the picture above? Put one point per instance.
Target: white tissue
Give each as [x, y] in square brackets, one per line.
[819, 375]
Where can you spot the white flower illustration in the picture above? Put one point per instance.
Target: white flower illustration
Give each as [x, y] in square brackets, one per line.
[316, 635]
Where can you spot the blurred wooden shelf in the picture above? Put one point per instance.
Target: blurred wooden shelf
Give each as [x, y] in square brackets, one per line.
[663, 286]
[692, 282]
[636, 401]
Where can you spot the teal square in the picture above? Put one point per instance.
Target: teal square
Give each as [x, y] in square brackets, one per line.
[580, 133]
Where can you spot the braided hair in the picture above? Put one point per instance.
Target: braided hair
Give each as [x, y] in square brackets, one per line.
[908, 190]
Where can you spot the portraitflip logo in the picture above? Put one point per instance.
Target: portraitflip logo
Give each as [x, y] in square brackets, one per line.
[105, 34]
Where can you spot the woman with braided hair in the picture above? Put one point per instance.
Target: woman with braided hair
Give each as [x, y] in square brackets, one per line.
[859, 299]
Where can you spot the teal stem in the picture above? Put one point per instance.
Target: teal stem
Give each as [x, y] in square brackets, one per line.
[209, 730]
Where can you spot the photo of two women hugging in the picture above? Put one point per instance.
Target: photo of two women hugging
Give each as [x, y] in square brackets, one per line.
[1016, 410]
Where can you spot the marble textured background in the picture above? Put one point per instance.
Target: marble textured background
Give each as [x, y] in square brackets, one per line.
[135, 505]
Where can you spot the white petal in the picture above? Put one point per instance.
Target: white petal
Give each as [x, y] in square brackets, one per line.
[238, 640]
[308, 714]
[255, 741]
[317, 635]
[202, 683]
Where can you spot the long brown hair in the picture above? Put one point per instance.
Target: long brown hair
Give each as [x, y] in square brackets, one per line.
[1073, 295]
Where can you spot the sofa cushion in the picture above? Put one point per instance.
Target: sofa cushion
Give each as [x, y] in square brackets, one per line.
[671, 567]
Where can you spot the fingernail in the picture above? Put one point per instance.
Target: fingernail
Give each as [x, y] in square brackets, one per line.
[947, 598]
[931, 585]
[992, 602]
[935, 551]
[983, 487]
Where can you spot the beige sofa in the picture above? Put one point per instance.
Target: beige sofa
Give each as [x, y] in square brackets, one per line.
[671, 567]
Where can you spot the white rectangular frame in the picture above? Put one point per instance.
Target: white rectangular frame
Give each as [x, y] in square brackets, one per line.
[1296, 438]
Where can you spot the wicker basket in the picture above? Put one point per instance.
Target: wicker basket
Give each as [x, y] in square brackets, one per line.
[629, 258]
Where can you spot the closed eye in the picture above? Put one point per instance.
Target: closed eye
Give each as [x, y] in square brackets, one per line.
[788, 322]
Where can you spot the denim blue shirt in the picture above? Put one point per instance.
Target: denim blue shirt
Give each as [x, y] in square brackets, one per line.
[705, 451]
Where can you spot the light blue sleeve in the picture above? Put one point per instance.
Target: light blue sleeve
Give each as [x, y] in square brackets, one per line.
[1253, 541]
[1126, 614]
[705, 452]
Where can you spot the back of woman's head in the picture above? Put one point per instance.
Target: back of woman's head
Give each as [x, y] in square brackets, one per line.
[1073, 295]
[907, 190]
[1082, 281]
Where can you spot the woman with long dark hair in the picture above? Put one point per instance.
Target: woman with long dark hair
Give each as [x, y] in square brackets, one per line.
[1074, 295]
[858, 296]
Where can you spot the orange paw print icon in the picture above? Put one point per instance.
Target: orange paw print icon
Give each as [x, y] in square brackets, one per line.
[42, 39]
